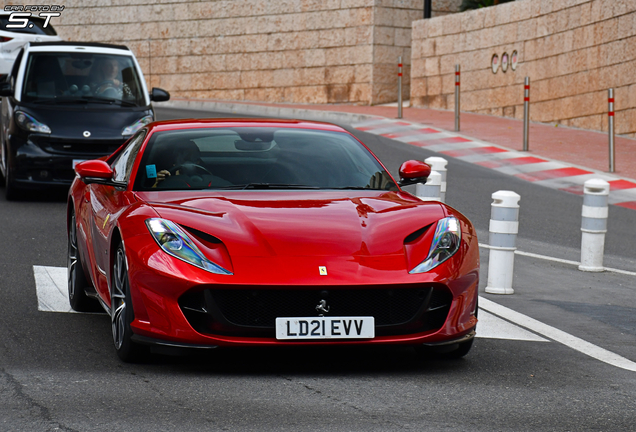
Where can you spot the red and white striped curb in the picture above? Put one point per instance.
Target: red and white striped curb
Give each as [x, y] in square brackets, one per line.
[539, 170]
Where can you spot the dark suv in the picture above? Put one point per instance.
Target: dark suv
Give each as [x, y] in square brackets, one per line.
[66, 102]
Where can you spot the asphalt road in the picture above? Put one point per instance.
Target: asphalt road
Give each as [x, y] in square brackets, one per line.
[59, 371]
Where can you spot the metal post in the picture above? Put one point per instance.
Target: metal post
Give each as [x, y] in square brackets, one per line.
[526, 113]
[399, 87]
[457, 75]
[610, 115]
[428, 9]
[504, 226]
[430, 190]
[438, 164]
[594, 224]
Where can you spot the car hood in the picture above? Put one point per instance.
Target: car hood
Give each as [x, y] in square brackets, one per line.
[295, 224]
[295, 232]
[71, 121]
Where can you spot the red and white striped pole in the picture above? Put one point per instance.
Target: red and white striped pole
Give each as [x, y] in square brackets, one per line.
[610, 116]
[399, 87]
[457, 76]
[526, 113]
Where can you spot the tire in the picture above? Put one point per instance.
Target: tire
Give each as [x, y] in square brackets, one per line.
[3, 157]
[122, 314]
[460, 351]
[10, 190]
[77, 282]
[453, 351]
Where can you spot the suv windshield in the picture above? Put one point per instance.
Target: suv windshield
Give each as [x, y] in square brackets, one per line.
[244, 158]
[63, 78]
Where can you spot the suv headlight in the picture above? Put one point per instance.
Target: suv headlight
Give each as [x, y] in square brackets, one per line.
[29, 124]
[445, 243]
[174, 241]
[133, 128]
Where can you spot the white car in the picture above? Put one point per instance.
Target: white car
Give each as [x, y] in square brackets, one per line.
[12, 39]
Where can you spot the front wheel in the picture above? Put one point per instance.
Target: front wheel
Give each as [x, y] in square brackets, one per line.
[77, 281]
[122, 314]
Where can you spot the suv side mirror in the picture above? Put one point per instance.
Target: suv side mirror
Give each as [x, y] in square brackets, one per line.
[6, 89]
[414, 171]
[159, 95]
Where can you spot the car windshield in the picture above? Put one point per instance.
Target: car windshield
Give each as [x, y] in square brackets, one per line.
[35, 26]
[244, 158]
[71, 78]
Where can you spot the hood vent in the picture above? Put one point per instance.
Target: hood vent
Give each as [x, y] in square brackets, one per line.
[416, 235]
[202, 235]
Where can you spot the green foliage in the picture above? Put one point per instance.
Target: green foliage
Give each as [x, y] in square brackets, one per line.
[476, 4]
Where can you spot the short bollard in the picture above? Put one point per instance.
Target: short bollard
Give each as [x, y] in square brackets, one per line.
[430, 190]
[594, 224]
[439, 164]
[504, 226]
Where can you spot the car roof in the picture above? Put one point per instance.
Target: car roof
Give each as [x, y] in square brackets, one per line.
[184, 124]
[71, 46]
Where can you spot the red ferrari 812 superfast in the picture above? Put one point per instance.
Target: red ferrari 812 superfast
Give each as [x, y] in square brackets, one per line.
[224, 232]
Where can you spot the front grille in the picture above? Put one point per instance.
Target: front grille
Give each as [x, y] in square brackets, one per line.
[80, 147]
[252, 311]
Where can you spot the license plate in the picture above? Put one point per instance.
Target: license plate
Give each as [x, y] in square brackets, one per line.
[325, 328]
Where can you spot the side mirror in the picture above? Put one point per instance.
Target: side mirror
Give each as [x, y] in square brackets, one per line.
[159, 95]
[413, 171]
[95, 171]
[6, 89]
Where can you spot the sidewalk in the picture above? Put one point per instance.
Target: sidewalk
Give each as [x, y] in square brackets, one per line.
[576, 148]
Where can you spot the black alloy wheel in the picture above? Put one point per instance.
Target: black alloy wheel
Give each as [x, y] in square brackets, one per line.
[122, 311]
[77, 282]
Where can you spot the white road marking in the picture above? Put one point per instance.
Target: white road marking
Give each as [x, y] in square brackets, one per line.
[52, 289]
[562, 261]
[557, 335]
[492, 327]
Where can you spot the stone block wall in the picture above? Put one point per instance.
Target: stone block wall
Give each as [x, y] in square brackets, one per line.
[572, 50]
[307, 51]
[444, 7]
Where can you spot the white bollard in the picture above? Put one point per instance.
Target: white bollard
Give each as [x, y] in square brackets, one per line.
[594, 224]
[439, 164]
[430, 190]
[504, 226]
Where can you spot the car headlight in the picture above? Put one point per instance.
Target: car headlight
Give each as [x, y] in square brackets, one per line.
[133, 128]
[445, 243]
[29, 124]
[174, 241]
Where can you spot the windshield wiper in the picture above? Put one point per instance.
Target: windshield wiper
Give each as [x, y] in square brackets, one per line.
[269, 186]
[106, 100]
[57, 100]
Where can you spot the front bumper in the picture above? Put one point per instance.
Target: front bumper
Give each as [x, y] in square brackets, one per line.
[178, 304]
[42, 161]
